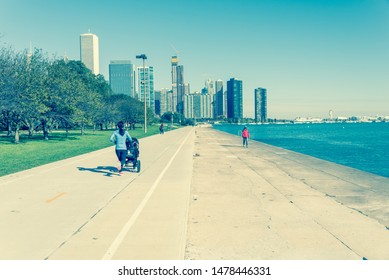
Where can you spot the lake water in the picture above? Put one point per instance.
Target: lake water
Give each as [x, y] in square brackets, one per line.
[364, 146]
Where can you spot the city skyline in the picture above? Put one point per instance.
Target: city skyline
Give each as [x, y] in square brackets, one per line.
[311, 56]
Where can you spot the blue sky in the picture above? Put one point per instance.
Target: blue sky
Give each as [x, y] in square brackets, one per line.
[312, 56]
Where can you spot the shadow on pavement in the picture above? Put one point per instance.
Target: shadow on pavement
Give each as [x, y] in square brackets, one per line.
[106, 170]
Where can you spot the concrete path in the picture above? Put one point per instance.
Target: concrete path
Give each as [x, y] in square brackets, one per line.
[81, 209]
[265, 202]
[200, 195]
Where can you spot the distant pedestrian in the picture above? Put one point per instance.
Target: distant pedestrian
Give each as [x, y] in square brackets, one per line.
[245, 136]
[161, 129]
[120, 137]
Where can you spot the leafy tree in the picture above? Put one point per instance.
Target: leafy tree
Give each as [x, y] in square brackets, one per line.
[6, 74]
[167, 117]
[129, 109]
[35, 89]
[22, 82]
[39, 92]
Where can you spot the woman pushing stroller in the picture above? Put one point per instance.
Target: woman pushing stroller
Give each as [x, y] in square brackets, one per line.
[120, 137]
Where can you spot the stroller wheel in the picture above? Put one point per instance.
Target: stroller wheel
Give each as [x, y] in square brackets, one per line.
[138, 166]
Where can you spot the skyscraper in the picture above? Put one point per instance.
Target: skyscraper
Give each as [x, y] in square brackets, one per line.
[174, 62]
[210, 86]
[197, 105]
[146, 86]
[122, 77]
[180, 89]
[162, 101]
[178, 86]
[260, 100]
[219, 99]
[89, 51]
[234, 99]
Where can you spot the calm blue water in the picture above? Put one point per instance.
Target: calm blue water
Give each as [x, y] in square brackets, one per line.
[364, 146]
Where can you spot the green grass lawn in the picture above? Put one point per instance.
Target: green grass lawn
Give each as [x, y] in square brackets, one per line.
[35, 151]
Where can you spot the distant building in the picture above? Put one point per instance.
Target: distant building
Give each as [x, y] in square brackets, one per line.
[178, 85]
[162, 101]
[122, 77]
[260, 102]
[169, 101]
[234, 99]
[157, 102]
[174, 62]
[210, 86]
[146, 86]
[198, 105]
[186, 88]
[180, 89]
[89, 51]
[189, 107]
[219, 99]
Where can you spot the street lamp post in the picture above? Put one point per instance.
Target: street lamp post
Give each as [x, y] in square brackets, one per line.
[144, 57]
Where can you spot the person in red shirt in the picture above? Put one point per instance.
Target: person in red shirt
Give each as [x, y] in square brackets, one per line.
[245, 136]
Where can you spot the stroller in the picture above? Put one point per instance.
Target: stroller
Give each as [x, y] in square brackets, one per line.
[133, 154]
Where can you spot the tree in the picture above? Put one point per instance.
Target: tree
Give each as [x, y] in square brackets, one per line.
[76, 95]
[129, 109]
[22, 80]
[38, 91]
[6, 79]
[35, 90]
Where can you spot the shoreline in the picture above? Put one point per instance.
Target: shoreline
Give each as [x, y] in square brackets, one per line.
[366, 182]
[274, 203]
[344, 144]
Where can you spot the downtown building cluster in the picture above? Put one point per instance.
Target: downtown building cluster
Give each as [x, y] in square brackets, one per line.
[213, 102]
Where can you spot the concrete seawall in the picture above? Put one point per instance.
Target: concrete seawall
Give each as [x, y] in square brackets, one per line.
[266, 202]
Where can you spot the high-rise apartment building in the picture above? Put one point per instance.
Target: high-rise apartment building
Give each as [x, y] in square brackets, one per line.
[210, 86]
[234, 99]
[186, 88]
[180, 89]
[260, 101]
[178, 85]
[189, 107]
[197, 105]
[162, 101]
[174, 62]
[146, 86]
[89, 51]
[219, 99]
[122, 77]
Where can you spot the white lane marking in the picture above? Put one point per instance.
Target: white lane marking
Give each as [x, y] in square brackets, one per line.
[126, 228]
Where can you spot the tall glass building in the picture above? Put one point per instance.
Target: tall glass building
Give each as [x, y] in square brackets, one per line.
[146, 86]
[260, 101]
[178, 85]
[162, 101]
[219, 99]
[89, 52]
[234, 99]
[122, 77]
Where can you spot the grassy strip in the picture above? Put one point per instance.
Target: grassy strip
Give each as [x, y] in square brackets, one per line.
[32, 152]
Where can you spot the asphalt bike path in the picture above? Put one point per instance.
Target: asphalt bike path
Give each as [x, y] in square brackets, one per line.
[80, 208]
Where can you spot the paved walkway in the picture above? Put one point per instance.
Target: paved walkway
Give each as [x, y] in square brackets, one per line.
[265, 202]
[200, 195]
[80, 208]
